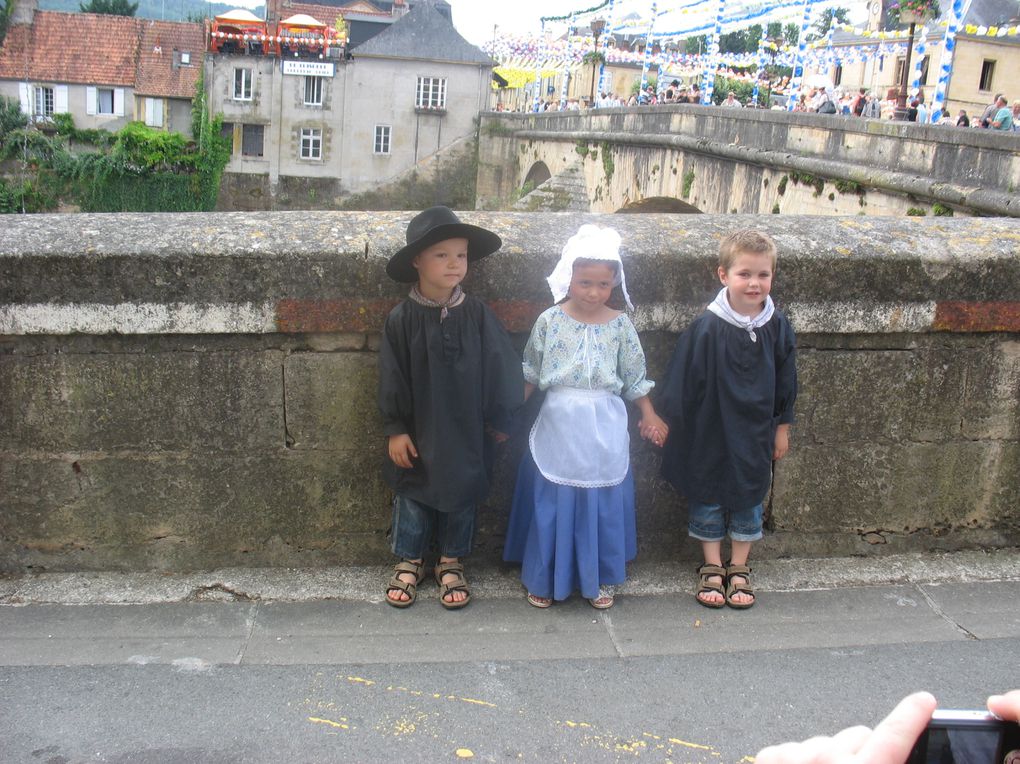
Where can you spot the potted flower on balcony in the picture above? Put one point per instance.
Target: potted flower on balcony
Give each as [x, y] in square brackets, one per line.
[916, 11]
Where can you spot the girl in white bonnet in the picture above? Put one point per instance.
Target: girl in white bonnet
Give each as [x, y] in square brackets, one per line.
[572, 523]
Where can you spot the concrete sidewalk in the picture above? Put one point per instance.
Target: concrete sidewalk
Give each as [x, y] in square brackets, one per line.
[286, 617]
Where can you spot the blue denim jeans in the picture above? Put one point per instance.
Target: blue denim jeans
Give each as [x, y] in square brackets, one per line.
[710, 522]
[413, 524]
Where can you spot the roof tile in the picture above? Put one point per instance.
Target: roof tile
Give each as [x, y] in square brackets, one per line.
[160, 72]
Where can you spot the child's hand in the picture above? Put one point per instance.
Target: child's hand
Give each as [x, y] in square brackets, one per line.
[653, 428]
[782, 442]
[496, 435]
[402, 450]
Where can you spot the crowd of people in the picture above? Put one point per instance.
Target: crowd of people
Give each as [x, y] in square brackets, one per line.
[998, 115]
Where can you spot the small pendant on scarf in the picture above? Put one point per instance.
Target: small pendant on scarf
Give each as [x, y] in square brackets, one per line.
[754, 337]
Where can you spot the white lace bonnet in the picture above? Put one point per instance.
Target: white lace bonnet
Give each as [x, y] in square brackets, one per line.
[589, 243]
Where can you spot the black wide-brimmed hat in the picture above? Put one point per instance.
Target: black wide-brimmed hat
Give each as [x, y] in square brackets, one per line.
[434, 225]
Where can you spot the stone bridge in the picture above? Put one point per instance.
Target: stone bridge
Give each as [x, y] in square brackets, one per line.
[710, 159]
[185, 391]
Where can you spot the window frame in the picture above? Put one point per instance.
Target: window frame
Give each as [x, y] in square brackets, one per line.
[430, 94]
[48, 94]
[99, 102]
[382, 144]
[315, 81]
[247, 129]
[246, 77]
[150, 108]
[987, 75]
[310, 144]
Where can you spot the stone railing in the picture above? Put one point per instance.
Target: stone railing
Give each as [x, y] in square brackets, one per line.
[971, 170]
[191, 391]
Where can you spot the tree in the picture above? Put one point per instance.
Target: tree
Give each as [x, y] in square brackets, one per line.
[829, 17]
[109, 7]
[696, 45]
[6, 8]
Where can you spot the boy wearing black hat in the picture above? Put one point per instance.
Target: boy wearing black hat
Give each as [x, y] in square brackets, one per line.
[449, 382]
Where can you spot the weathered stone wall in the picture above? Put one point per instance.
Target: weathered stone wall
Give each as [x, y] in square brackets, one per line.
[747, 161]
[190, 391]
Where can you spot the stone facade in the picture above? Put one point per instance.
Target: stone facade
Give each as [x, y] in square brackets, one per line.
[198, 390]
[347, 125]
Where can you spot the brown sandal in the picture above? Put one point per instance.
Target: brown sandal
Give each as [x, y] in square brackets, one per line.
[740, 586]
[410, 588]
[459, 584]
[705, 572]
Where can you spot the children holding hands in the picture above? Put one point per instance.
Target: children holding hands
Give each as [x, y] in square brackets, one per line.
[450, 381]
[572, 523]
[728, 398]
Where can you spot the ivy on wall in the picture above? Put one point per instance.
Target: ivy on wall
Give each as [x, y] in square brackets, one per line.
[137, 169]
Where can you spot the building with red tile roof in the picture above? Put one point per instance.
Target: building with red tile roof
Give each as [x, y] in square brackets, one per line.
[103, 70]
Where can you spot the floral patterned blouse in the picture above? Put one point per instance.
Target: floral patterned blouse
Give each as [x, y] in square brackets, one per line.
[563, 351]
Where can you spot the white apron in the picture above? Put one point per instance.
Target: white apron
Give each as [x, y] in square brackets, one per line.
[580, 438]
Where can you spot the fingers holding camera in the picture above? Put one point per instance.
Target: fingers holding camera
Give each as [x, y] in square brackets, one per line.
[896, 734]
[1006, 706]
[890, 741]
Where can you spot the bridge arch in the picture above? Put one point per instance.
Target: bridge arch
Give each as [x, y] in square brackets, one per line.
[658, 204]
[537, 175]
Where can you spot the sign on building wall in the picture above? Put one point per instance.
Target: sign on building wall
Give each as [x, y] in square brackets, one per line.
[308, 68]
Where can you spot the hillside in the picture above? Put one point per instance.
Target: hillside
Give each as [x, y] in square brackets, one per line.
[170, 10]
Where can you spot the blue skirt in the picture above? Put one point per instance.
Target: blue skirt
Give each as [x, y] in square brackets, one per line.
[570, 538]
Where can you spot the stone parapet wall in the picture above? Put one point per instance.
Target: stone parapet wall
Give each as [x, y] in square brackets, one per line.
[197, 390]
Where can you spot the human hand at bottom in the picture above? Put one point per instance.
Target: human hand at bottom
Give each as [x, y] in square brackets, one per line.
[1006, 706]
[889, 743]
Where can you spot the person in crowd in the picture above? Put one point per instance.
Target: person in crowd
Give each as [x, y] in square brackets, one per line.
[872, 107]
[572, 521]
[449, 383]
[731, 101]
[857, 106]
[889, 743]
[728, 400]
[962, 120]
[991, 110]
[1003, 118]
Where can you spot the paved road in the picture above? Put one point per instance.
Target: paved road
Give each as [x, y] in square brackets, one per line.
[657, 678]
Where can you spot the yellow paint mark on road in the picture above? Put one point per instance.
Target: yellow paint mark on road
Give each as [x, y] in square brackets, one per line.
[577, 724]
[465, 753]
[359, 680]
[653, 737]
[485, 703]
[634, 746]
[746, 760]
[674, 741]
[330, 722]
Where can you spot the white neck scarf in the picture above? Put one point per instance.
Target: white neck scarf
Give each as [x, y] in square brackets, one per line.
[722, 308]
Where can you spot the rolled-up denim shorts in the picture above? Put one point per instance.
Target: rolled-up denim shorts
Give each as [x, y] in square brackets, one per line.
[711, 522]
[412, 529]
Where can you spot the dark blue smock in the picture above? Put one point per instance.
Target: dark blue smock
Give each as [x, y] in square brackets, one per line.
[723, 397]
[442, 383]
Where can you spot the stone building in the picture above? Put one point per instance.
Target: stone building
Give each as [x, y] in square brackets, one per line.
[313, 128]
[104, 71]
[983, 64]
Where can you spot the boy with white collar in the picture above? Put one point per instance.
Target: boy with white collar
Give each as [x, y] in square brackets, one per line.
[728, 400]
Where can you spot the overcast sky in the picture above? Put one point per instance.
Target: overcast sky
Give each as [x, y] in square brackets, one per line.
[474, 19]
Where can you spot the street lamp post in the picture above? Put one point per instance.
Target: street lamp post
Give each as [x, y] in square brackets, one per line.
[900, 113]
[597, 25]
